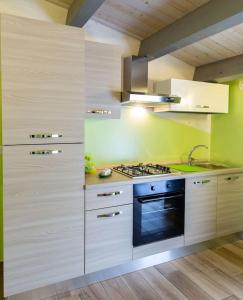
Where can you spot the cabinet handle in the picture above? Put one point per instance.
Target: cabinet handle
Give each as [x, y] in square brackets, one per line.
[110, 194]
[111, 215]
[99, 112]
[45, 135]
[206, 181]
[202, 182]
[232, 178]
[202, 106]
[45, 152]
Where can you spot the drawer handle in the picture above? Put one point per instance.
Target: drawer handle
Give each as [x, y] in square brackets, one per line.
[232, 178]
[111, 215]
[202, 182]
[99, 112]
[110, 194]
[206, 181]
[45, 152]
[45, 135]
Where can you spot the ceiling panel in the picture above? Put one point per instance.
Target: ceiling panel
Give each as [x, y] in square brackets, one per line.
[217, 47]
[141, 18]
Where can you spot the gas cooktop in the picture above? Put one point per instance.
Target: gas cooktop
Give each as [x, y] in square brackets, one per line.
[144, 170]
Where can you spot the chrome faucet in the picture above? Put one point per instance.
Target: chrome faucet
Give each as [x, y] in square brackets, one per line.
[190, 158]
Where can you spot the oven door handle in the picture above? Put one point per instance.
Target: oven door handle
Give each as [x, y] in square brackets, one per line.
[143, 201]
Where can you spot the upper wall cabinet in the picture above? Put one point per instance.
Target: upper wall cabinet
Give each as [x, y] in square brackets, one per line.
[42, 82]
[196, 96]
[103, 80]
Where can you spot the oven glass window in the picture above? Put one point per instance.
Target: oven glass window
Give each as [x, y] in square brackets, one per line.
[158, 219]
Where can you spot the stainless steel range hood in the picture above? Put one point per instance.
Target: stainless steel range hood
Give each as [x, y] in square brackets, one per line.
[135, 85]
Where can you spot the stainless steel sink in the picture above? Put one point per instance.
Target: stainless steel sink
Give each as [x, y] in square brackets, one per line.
[212, 166]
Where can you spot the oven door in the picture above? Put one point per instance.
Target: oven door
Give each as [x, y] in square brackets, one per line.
[158, 217]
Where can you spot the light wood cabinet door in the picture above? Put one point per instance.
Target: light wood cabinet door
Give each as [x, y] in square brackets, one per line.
[108, 237]
[43, 215]
[108, 196]
[200, 209]
[230, 204]
[42, 72]
[103, 80]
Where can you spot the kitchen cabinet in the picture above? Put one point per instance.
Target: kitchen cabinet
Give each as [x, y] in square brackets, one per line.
[108, 237]
[230, 204]
[108, 196]
[103, 80]
[196, 96]
[200, 209]
[43, 215]
[42, 74]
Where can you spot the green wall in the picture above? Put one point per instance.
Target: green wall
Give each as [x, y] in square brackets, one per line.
[148, 138]
[227, 130]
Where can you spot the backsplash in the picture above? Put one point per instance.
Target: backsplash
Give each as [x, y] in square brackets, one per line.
[144, 137]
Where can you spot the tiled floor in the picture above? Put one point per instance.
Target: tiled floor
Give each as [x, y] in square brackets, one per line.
[210, 274]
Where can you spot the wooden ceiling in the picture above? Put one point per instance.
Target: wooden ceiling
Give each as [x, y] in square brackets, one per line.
[141, 18]
[217, 47]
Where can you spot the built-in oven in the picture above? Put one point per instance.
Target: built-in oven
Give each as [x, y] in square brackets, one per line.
[158, 211]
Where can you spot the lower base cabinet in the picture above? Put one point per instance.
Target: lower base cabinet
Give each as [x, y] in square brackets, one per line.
[108, 237]
[230, 204]
[200, 209]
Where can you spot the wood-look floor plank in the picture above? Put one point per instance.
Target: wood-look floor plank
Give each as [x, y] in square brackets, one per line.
[74, 297]
[231, 285]
[232, 297]
[214, 289]
[220, 262]
[117, 289]
[67, 295]
[236, 250]
[183, 283]
[239, 243]
[141, 287]
[52, 298]
[160, 284]
[231, 257]
[93, 292]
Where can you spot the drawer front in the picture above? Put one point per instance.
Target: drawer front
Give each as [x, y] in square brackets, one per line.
[108, 237]
[107, 197]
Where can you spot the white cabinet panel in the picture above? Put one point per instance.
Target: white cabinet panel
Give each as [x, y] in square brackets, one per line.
[108, 237]
[43, 215]
[42, 73]
[196, 96]
[200, 209]
[230, 204]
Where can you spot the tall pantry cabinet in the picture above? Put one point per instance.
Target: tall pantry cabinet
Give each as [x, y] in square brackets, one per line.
[42, 78]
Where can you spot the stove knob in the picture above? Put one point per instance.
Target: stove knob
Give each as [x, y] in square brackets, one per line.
[152, 188]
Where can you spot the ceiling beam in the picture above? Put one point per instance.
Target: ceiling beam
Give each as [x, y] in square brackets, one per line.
[209, 19]
[221, 71]
[81, 11]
